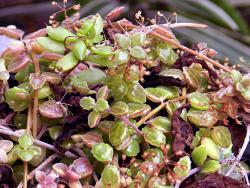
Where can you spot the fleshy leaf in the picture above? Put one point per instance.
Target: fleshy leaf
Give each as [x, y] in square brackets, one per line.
[123, 41]
[51, 45]
[202, 118]
[68, 62]
[136, 93]
[117, 133]
[92, 76]
[80, 49]
[221, 136]
[138, 52]
[51, 109]
[87, 103]
[93, 119]
[210, 166]
[154, 137]
[60, 34]
[110, 176]
[138, 38]
[101, 105]
[199, 155]
[36, 81]
[119, 108]
[25, 141]
[212, 149]
[82, 167]
[17, 98]
[25, 155]
[183, 168]
[102, 152]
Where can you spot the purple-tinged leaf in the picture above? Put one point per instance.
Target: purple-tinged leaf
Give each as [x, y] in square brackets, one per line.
[82, 167]
[51, 56]
[19, 64]
[61, 169]
[51, 109]
[36, 81]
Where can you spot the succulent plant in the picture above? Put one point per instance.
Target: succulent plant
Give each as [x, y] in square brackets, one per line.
[124, 105]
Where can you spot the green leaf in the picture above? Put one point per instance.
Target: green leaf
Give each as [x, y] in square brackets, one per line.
[102, 93]
[138, 52]
[138, 38]
[221, 136]
[100, 60]
[60, 34]
[102, 152]
[51, 45]
[154, 136]
[110, 177]
[25, 155]
[79, 85]
[101, 105]
[119, 108]
[136, 110]
[199, 101]
[210, 166]
[202, 118]
[121, 57]
[212, 149]
[25, 141]
[183, 168]
[119, 89]
[17, 98]
[136, 93]
[92, 76]
[104, 51]
[123, 41]
[87, 103]
[166, 54]
[54, 132]
[117, 133]
[35, 150]
[199, 155]
[98, 24]
[133, 149]
[93, 119]
[162, 123]
[80, 49]
[66, 63]
[161, 93]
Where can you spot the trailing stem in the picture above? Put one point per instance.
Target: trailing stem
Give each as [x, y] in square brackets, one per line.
[35, 99]
[192, 172]
[38, 143]
[242, 151]
[42, 165]
[127, 122]
[157, 109]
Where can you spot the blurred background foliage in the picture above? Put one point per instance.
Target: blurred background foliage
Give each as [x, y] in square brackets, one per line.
[228, 20]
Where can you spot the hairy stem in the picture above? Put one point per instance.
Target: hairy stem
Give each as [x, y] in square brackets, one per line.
[192, 172]
[242, 151]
